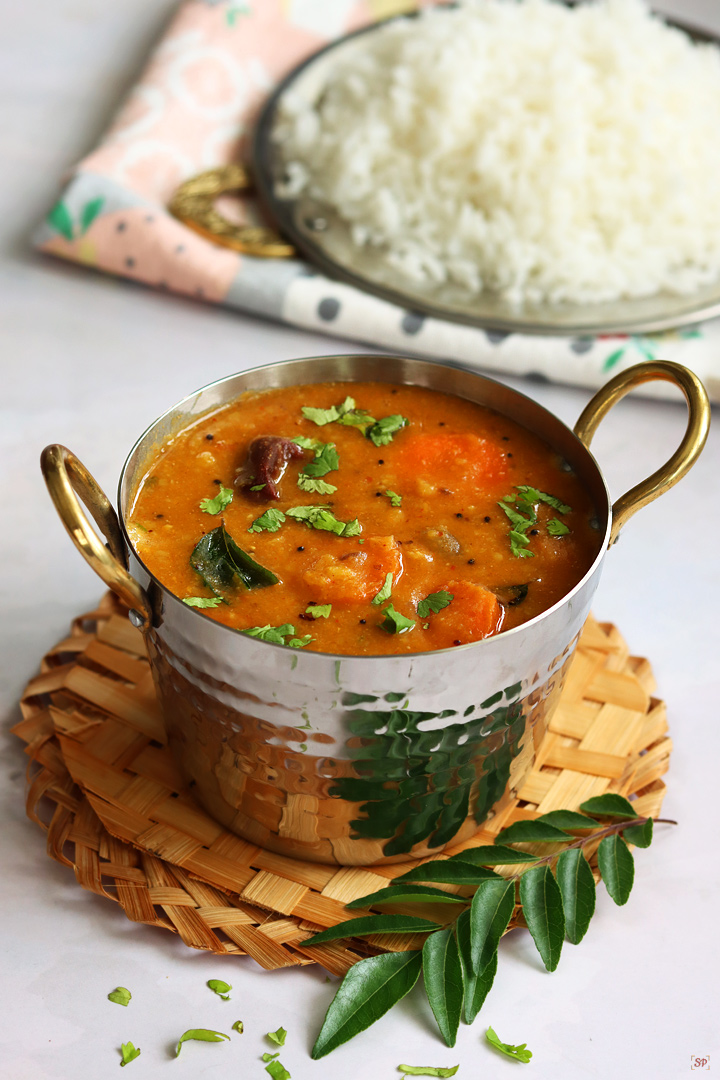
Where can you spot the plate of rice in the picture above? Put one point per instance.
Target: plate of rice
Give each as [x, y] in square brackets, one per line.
[523, 165]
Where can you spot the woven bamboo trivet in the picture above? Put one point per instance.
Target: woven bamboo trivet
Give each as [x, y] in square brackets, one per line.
[108, 793]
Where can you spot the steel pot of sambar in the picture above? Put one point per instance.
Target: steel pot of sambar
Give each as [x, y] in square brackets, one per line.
[359, 760]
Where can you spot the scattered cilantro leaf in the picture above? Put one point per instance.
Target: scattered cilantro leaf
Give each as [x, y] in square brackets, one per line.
[328, 416]
[395, 499]
[238, 1026]
[382, 431]
[277, 1070]
[427, 1070]
[320, 517]
[520, 545]
[128, 1053]
[315, 486]
[270, 521]
[274, 634]
[532, 495]
[394, 622]
[216, 506]
[434, 602]
[278, 1037]
[120, 995]
[220, 988]
[519, 1053]
[556, 527]
[203, 601]
[358, 418]
[223, 565]
[200, 1035]
[300, 642]
[386, 591]
[319, 611]
[307, 444]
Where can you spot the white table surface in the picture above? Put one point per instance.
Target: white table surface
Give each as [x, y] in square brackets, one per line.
[89, 361]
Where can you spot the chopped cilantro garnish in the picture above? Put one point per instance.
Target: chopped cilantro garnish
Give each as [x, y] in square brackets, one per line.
[395, 499]
[383, 430]
[428, 1070]
[557, 528]
[357, 418]
[216, 506]
[327, 416]
[276, 635]
[120, 995]
[202, 602]
[270, 1057]
[270, 521]
[386, 591]
[520, 1053]
[318, 611]
[326, 460]
[200, 1035]
[128, 1053]
[320, 517]
[394, 622]
[220, 988]
[307, 444]
[434, 602]
[278, 1037]
[257, 487]
[521, 511]
[315, 486]
[532, 495]
[277, 1071]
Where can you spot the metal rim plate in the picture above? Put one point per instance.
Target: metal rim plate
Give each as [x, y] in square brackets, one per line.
[323, 238]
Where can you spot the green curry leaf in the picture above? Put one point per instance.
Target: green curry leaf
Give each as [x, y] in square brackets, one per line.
[224, 566]
[369, 989]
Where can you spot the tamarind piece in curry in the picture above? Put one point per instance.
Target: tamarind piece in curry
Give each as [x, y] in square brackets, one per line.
[264, 466]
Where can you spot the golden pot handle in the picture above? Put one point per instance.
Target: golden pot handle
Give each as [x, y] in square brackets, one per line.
[67, 478]
[686, 454]
[194, 204]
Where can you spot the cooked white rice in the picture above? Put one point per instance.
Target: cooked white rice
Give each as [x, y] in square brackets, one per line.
[542, 152]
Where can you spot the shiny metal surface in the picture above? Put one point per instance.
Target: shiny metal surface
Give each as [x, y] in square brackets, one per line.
[359, 760]
[322, 236]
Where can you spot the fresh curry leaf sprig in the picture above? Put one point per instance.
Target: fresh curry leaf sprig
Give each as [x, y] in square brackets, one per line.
[556, 893]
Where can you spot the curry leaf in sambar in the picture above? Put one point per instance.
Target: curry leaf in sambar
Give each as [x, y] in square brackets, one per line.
[443, 981]
[224, 566]
[369, 989]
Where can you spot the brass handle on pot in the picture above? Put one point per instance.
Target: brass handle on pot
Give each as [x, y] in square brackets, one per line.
[67, 478]
[686, 454]
[194, 204]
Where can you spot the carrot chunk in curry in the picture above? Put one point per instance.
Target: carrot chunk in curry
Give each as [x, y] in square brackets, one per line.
[390, 519]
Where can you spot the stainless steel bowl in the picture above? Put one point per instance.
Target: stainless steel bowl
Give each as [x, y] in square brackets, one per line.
[367, 759]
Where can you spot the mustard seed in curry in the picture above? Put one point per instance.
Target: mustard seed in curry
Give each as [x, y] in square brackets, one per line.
[363, 519]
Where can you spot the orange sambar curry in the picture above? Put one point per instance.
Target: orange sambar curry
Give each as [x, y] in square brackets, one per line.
[363, 519]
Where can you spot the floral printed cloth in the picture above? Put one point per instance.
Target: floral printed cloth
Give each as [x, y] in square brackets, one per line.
[192, 110]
